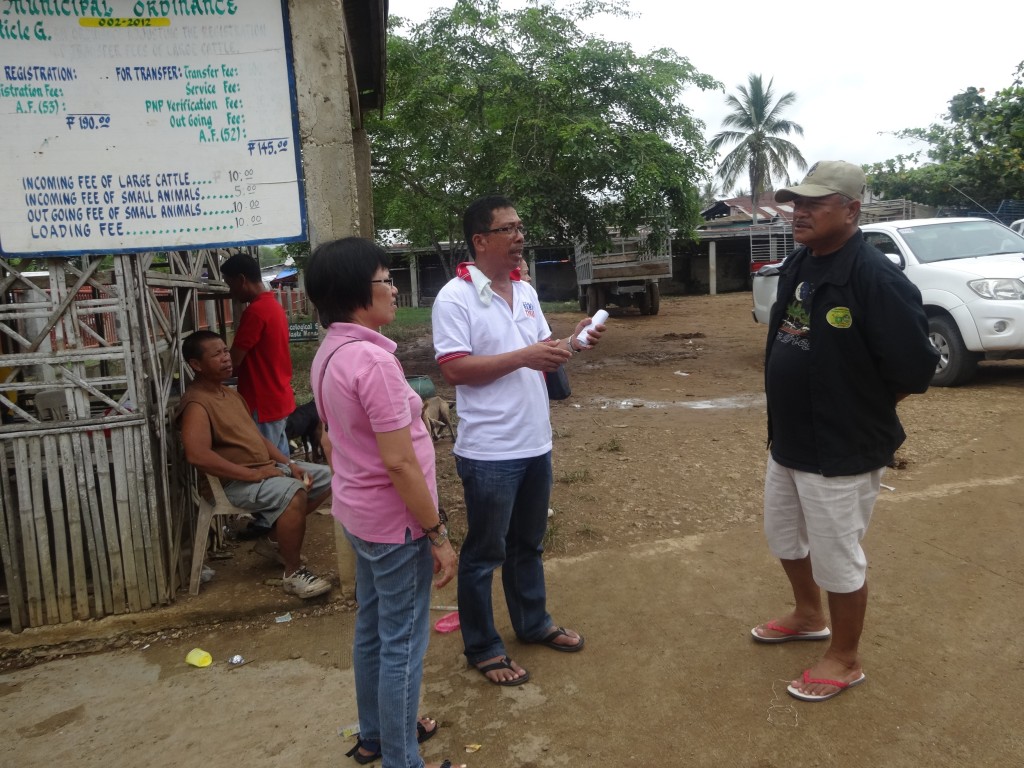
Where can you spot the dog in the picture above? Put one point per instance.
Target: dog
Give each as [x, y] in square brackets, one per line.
[437, 416]
[304, 428]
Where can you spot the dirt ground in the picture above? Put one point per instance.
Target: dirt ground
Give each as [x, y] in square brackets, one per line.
[655, 554]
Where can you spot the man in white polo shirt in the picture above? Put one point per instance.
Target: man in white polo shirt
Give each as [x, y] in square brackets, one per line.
[493, 343]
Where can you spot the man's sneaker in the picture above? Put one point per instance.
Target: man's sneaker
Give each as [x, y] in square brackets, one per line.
[305, 584]
[269, 549]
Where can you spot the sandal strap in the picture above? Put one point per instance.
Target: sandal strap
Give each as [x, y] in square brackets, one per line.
[556, 632]
[505, 663]
[370, 745]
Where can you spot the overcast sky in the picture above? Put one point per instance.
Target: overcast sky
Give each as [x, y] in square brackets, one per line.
[860, 70]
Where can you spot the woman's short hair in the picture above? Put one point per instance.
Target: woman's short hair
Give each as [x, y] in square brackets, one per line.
[338, 277]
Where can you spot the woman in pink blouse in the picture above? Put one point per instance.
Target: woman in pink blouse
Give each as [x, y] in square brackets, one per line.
[384, 494]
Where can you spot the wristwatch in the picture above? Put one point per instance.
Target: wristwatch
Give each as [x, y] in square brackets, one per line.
[439, 539]
[441, 529]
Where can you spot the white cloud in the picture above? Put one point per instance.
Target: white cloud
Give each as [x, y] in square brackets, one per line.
[860, 71]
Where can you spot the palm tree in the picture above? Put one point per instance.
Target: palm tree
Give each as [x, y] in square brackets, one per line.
[760, 151]
[710, 193]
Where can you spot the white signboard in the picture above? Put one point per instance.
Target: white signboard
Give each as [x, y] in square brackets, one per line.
[150, 125]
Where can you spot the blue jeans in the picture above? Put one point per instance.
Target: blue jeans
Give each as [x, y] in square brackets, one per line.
[392, 626]
[274, 431]
[507, 516]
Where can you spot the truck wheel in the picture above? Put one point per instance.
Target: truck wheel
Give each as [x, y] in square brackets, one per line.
[644, 300]
[957, 364]
[655, 298]
[593, 297]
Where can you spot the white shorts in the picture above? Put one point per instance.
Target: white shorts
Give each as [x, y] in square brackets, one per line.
[825, 517]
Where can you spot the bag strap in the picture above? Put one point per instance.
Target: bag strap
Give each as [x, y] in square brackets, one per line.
[318, 395]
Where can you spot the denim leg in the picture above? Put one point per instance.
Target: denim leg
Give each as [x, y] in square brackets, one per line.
[274, 431]
[400, 577]
[522, 575]
[366, 647]
[506, 524]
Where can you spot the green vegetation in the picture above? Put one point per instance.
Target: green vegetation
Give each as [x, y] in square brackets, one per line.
[760, 152]
[555, 307]
[976, 152]
[552, 540]
[612, 446]
[302, 358]
[410, 324]
[575, 476]
[581, 132]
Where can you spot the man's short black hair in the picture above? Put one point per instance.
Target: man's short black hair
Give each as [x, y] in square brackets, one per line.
[242, 264]
[338, 277]
[192, 346]
[479, 215]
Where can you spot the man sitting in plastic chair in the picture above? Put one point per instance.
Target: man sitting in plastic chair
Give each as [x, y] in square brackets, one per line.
[221, 439]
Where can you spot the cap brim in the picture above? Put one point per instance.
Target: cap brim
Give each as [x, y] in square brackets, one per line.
[803, 190]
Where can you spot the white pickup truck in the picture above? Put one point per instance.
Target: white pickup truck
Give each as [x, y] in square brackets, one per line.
[971, 276]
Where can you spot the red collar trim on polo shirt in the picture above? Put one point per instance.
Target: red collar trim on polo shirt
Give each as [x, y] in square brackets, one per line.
[462, 271]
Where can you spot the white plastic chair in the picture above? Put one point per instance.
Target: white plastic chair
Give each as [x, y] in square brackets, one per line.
[207, 512]
[51, 405]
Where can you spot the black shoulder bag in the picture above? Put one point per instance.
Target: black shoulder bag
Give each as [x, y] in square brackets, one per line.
[558, 383]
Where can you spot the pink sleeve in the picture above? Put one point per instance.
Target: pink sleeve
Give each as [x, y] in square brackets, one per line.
[384, 395]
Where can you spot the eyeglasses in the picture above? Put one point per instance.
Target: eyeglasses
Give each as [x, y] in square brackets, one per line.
[507, 230]
[388, 281]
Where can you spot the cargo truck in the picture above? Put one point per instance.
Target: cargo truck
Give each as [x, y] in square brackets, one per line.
[627, 275]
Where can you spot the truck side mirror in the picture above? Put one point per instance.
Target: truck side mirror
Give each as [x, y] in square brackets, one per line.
[897, 259]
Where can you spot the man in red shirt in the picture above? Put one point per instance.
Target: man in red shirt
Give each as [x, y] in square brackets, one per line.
[259, 353]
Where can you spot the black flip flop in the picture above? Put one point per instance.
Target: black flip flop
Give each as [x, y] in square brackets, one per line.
[549, 641]
[504, 663]
[422, 734]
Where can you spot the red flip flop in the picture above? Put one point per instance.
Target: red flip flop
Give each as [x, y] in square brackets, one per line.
[788, 635]
[448, 623]
[796, 693]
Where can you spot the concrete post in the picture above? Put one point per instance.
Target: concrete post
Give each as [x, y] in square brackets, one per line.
[712, 269]
[414, 278]
[335, 153]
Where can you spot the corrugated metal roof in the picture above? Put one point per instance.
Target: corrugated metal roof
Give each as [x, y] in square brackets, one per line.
[739, 209]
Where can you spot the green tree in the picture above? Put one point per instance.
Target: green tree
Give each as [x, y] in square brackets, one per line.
[757, 129]
[299, 251]
[582, 133]
[976, 152]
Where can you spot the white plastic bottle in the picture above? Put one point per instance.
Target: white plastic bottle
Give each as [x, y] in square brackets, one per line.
[600, 317]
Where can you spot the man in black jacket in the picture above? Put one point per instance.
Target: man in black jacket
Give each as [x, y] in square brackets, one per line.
[847, 340]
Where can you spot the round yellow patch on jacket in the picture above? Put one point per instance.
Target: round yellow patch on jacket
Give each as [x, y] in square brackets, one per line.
[839, 317]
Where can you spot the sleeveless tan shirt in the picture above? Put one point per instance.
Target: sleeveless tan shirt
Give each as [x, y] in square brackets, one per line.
[234, 433]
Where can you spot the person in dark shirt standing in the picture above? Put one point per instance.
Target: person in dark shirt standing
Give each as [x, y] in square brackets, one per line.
[847, 340]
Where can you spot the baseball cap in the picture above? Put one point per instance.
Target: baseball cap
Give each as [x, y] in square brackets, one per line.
[827, 177]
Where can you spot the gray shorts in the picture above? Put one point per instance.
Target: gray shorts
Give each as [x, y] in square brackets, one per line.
[267, 499]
